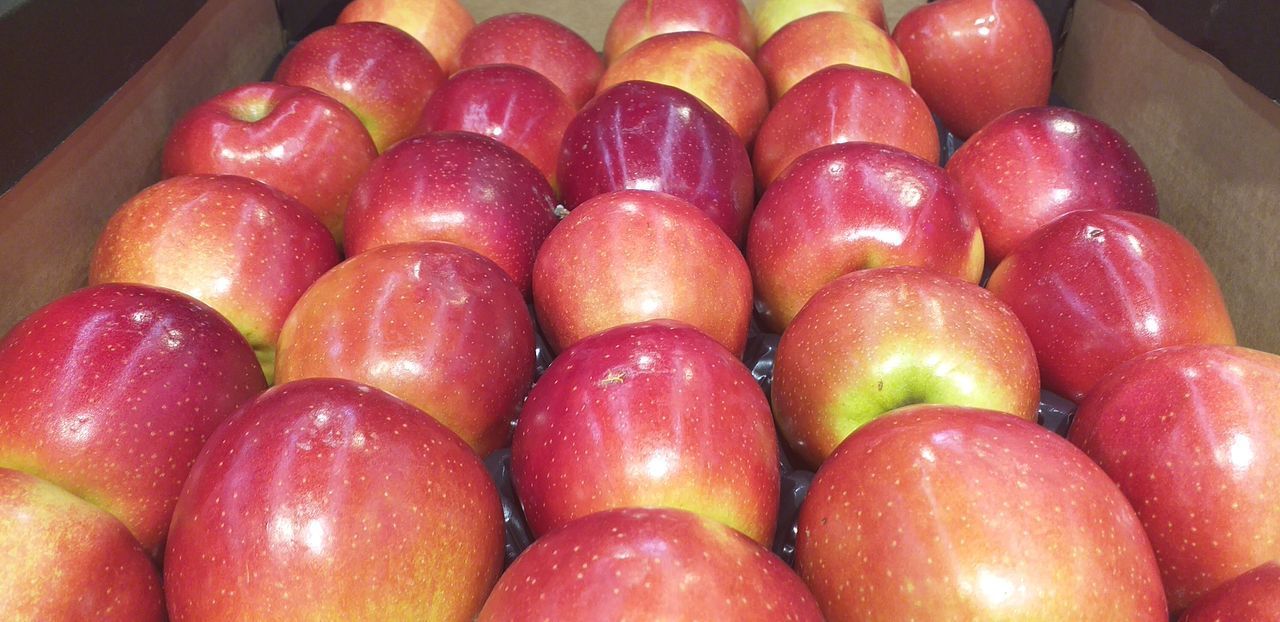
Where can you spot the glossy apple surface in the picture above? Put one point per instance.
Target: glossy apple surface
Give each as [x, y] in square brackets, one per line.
[637, 20]
[1030, 166]
[635, 255]
[539, 43]
[439, 25]
[1253, 596]
[430, 322]
[821, 40]
[110, 391]
[875, 340]
[1097, 288]
[648, 564]
[232, 243]
[944, 513]
[974, 60]
[703, 65]
[65, 559]
[378, 71]
[646, 136]
[771, 15]
[329, 500]
[843, 104]
[1190, 435]
[455, 187]
[296, 140]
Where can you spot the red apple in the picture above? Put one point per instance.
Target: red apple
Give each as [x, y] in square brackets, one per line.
[843, 104]
[296, 140]
[432, 323]
[455, 187]
[851, 207]
[539, 43]
[938, 512]
[703, 65]
[1253, 596]
[378, 71]
[232, 243]
[708, 440]
[649, 136]
[974, 60]
[637, 20]
[1097, 288]
[635, 255]
[508, 103]
[1032, 165]
[875, 340]
[439, 25]
[821, 40]
[109, 392]
[328, 500]
[772, 15]
[648, 564]
[1191, 436]
[65, 559]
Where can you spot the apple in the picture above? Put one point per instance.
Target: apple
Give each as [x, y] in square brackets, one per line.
[439, 25]
[703, 65]
[1190, 435]
[821, 40]
[708, 445]
[65, 559]
[646, 136]
[539, 43]
[508, 103]
[432, 323]
[974, 60]
[1096, 288]
[296, 140]
[378, 71]
[1032, 165]
[843, 104]
[851, 207]
[648, 564]
[637, 255]
[637, 20]
[946, 513]
[110, 391]
[772, 15]
[329, 500]
[1254, 595]
[232, 243]
[875, 340]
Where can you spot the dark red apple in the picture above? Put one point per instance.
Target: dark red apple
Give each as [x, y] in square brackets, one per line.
[1097, 288]
[1251, 597]
[648, 564]
[637, 20]
[539, 43]
[439, 25]
[329, 500]
[822, 40]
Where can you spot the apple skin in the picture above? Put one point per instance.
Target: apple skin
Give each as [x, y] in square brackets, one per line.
[709, 443]
[636, 255]
[703, 65]
[378, 71]
[875, 340]
[637, 20]
[235, 244]
[855, 206]
[439, 25]
[1032, 165]
[1251, 597]
[65, 559]
[455, 187]
[334, 501]
[772, 15]
[432, 323]
[843, 104]
[945, 513]
[974, 60]
[539, 43]
[508, 103]
[1190, 435]
[648, 564]
[1096, 288]
[647, 136]
[296, 140]
[821, 40]
[110, 391]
